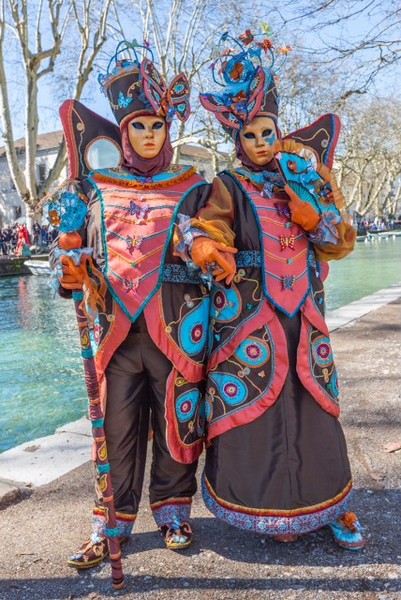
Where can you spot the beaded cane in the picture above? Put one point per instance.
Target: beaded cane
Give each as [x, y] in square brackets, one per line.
[66, 241]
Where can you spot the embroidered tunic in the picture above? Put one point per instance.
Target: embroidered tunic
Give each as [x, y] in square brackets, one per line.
[130, 226]
[276, 462]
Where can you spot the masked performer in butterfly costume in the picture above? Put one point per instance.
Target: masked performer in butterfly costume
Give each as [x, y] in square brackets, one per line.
[150, 336]
[276, 459]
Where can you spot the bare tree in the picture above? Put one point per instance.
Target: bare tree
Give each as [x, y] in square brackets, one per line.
[40, 29]
[361, 39]
[370, 160]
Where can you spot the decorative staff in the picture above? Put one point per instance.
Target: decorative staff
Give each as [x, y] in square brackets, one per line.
[67, 211]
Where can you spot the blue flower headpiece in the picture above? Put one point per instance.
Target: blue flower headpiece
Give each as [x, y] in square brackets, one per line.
[247, 69]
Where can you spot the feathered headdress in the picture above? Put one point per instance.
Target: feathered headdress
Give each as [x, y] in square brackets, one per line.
[247, 72]
[135, 87]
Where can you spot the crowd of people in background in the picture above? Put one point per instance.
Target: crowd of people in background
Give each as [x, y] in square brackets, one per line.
[15, 240]
[366, 225]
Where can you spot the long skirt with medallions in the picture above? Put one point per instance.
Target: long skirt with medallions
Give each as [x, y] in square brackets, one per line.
[286, 472]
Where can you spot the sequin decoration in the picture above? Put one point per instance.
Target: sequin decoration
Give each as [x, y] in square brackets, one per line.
[252, 352]
[124, 101]
[322, 352]
[130, 285]
[288, 282]
[231, 389]
[282, 209]
[138, 211]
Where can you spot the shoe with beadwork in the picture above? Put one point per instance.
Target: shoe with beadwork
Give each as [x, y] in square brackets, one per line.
[285, 538]
[91, 553]
[347, 532]
[177, 535]
[95, 549]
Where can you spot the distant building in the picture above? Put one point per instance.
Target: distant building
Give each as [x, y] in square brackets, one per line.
[11, 207]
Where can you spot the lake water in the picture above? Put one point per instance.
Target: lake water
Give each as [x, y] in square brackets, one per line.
[41, 375]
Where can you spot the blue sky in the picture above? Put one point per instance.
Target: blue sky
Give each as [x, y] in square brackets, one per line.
[298, 33]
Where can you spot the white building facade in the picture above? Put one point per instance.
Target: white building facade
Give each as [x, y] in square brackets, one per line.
[11, 206]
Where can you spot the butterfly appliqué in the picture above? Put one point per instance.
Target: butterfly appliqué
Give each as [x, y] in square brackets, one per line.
[130, 285]
[124, 101]
[287, 242]
[233, 111]
[167, 101]
[133, 243]
[138, 211]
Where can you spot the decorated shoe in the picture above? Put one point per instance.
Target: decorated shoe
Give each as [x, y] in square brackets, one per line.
[347, 532]
[95, 549]
[177, 535]
[285, 538]
[91, 553]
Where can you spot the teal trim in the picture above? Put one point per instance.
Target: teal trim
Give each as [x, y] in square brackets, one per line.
[114, 532]
[115, 297]
[102, 469]
[104, 245]
[77, 295]
[267, 208]
[97, 423]
[126, 176]
[87, 353]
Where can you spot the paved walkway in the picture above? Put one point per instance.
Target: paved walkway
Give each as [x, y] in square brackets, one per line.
[39, 532]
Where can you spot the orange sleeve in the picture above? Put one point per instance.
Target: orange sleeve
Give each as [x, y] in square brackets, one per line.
[344, 246]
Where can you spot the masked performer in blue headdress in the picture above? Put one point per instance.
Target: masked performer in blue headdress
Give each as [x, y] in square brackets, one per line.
[149, 338]
[276, 459]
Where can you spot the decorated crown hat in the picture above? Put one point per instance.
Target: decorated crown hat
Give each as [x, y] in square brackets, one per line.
[246, 70]
[134, 87]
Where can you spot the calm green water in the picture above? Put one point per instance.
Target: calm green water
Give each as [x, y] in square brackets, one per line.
[41, 376]
[372, 266]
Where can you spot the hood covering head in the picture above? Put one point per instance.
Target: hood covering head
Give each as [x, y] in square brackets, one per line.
[249, 84]
[146, 167]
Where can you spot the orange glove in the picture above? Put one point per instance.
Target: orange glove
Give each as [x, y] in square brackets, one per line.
[71, 279]
[204, 251]
[302, 213]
